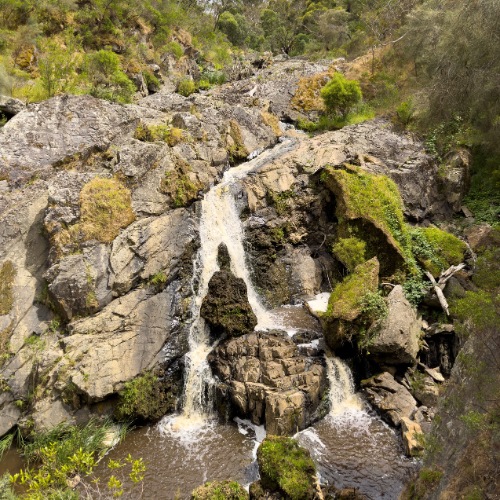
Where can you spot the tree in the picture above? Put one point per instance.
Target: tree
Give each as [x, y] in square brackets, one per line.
[234, 27]
[340, 95]
[107, 79]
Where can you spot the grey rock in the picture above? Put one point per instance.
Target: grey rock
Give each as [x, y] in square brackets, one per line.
[396, 337]
[426, 392]
[49, 413]
[9, 416]
[389, 398]
[11, 106]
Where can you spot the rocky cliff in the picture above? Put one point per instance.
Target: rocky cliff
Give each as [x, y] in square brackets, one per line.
[99, 220]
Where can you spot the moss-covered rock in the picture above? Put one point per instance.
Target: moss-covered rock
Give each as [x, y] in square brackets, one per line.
[226, 307]
[449, 249]
[344, 306]
[286, 467]
[350, 251]
[220, 490]
[371, 207]
[7, 275]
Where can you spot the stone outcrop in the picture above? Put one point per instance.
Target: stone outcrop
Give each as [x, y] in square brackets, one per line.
[263, 377]
[395, 338]
[482, 237]
[10, 106]
[410, 432]
[390, 399]
[226, 308]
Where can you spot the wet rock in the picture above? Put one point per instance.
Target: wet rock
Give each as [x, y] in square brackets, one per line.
[482, 237]
[410, 432]
[270, 381]
[390, 399]
[396, 337]
[226, 308]
[11, 106]
[344, 308]
[223, 258]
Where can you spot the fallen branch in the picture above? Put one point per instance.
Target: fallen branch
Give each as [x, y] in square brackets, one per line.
[439, 293]
[446, 275]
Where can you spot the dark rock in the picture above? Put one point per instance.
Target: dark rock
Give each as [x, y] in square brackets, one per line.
[223, 258]
[11, 106]
[226, 308]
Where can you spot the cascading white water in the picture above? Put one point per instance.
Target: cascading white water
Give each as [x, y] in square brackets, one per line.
[219, 223]
[342, 392]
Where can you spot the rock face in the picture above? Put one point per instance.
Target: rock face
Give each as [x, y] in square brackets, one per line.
[396, 338]
[482, 237]
[391, 399]
[11, 106]
[264, 377]
[226, 308]
[410, 431]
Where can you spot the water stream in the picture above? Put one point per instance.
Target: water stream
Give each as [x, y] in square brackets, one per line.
[351, 445]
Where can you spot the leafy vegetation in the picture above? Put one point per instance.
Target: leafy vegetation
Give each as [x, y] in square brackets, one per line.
[220, 490]
[340, 94]
[285, 465]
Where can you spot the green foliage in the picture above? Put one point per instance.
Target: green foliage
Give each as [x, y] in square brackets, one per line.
[283, 462]
[280, 200]
[405, 112]
[150, 79]
[361, 113]
[447, 136]
[6, 492]
[415, 289]
[234, 26]
[220, 490]
[430, 475]
[350, 251]
[373, 306]
[487, 273]
[186, 87]
[340, 94]
[214, 77]
[138, 399]
[107, 81]
[175, 49]
[450, 249]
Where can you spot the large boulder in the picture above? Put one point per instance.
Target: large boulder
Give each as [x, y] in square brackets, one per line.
[390, 399]
[226, 308]
[396, 337]
[265, 378]
[11, 106]
[482, 237]
[411, 431]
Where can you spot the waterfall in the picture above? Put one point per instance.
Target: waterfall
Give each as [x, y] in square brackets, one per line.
[219, 223]
[342, 392]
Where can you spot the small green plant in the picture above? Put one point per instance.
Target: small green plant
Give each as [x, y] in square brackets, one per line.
[278, 234]
[185, 87]
[175, 49]
[431, 475]
[280, 200]
[340, 95]
[405, 112]
[159, 279]
[138, 399]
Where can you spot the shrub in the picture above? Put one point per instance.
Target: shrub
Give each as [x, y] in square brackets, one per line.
[107, 79]
[405, 112]
[175, 49]
[150, 79]
[283, 463]
[186, 87]
[220, 490]
[340, 95]
[449, 247]
[350, 251]
[105, 206]
[138, 398]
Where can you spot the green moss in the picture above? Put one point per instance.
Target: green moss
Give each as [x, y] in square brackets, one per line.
[345, 300]
[220, 490]
[138, 398]
[7, 275]
[450, 249]
[372, 197]
[286, 466]
[350, 251]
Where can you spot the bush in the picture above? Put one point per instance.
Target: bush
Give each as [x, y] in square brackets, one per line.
[405, 112]
[286, 465]
[220, 490]
[340, 95]
[107, 79]
[175, 49]
[186, 87]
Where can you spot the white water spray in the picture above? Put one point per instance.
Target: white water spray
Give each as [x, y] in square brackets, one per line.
[342, 392]
[219, 223]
